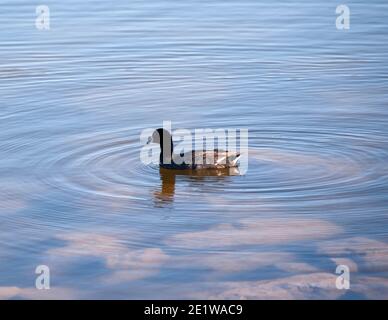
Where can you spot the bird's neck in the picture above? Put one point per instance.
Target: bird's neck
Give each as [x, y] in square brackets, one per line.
[166, 150]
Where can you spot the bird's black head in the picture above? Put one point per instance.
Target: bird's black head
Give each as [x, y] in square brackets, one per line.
[160, 136]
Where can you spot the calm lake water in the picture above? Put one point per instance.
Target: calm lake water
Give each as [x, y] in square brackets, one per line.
[75, 196]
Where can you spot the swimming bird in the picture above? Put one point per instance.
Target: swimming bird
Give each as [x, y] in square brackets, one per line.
[195, 160]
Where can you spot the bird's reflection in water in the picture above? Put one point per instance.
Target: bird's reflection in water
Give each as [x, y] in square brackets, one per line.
[164, 195]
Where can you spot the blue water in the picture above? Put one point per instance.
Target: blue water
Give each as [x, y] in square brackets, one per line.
[75, 196]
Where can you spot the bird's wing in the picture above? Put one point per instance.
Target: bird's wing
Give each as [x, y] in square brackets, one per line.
[229, 158]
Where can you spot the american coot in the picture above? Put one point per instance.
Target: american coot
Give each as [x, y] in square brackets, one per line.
[195, 160]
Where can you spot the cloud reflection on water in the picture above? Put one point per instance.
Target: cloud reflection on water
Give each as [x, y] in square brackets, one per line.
[256, 231]
[124, 263]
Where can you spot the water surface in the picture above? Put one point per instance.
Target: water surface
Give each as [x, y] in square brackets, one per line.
[74, 195]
